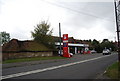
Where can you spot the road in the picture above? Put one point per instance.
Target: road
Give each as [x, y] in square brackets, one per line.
[88, 66]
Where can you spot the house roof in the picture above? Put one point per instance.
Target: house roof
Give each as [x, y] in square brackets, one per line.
[27, 45]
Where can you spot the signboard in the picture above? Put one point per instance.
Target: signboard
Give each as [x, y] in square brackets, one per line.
[65, 37]
[65, 45]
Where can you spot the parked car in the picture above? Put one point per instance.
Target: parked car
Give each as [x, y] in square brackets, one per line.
[93, 51]
[71, 54]
[106, 52]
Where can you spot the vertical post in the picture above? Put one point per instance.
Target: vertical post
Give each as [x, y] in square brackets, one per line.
[68, 49]
[60, 37]
[75, 50]
[117, 25]
[117, 13]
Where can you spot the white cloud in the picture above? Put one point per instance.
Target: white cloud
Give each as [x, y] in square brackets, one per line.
[18, 17]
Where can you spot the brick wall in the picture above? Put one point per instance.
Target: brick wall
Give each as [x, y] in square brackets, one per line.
[6, 56]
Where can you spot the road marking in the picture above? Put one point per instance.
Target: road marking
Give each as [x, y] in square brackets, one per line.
[50, 68]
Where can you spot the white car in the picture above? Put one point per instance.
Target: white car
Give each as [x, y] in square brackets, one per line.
[106, 52]
[93, 51]
[71, 54]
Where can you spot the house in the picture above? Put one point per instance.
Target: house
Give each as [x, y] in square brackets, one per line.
[22, 49]
[30, 48]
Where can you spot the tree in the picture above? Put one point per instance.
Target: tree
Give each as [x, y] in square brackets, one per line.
[4, 37]
[107, 44]
[43, 34]
[96, 45]
[104, 44]
[95, 42]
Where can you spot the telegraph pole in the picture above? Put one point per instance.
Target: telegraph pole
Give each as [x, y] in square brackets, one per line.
[117, 14]
[60, 38]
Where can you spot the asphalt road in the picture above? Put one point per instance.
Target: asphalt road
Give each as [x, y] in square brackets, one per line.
[88, 66]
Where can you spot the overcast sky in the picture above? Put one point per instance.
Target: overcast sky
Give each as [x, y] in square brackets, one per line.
[81, 20]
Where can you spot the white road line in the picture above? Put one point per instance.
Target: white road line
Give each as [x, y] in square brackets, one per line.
[50, 68]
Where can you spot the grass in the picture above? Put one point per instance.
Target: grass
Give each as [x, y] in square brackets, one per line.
[112, 71]
[32, 59]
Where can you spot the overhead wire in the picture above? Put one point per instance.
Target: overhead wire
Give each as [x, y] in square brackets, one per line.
[83, 13]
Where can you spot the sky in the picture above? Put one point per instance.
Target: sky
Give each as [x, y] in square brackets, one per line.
[81, 19]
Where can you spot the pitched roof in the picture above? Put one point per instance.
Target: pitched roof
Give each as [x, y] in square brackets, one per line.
[27, 45]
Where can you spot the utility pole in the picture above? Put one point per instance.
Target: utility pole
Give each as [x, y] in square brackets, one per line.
[60, 38]
[117, 14]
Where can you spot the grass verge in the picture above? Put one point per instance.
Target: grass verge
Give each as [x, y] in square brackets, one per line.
[32, 59]
[112, 71]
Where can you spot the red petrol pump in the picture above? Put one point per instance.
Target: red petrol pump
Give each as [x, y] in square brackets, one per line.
[86, 51]
[65, 46]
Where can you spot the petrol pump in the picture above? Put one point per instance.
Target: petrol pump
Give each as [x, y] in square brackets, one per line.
[65, 46]
[86, 51]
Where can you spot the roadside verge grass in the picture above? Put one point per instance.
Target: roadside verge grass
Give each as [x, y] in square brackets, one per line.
[112, 71]
[32, 59]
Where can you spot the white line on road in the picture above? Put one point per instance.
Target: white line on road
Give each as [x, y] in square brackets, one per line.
[50, 68]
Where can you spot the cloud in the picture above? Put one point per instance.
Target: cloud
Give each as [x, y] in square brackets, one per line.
[99, 27]
[81, 20]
